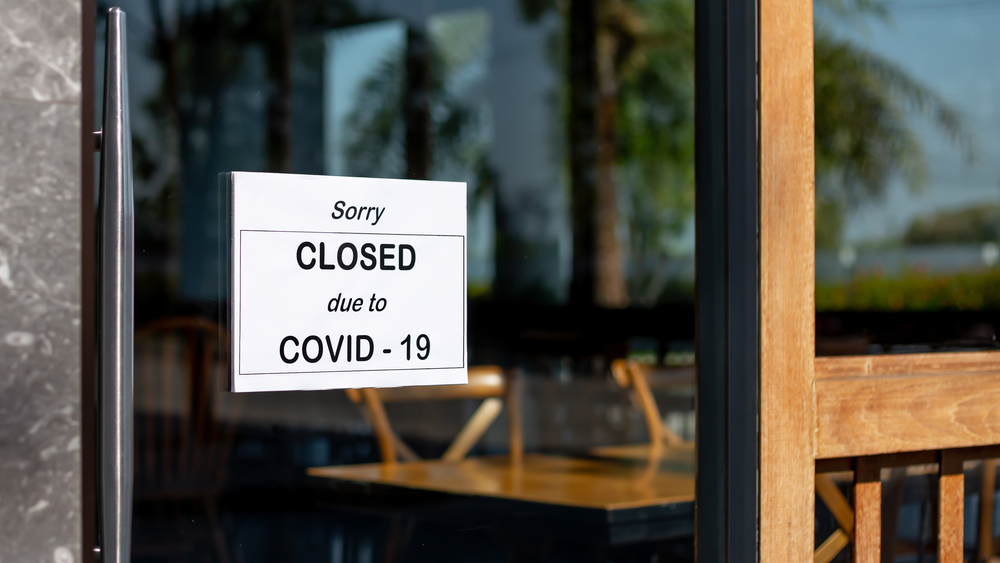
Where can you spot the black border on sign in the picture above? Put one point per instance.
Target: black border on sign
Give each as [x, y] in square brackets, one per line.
[239, 357]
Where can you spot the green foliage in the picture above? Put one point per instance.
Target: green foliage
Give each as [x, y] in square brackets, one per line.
[915, 290]
[655, 136]
[978, 223]
[377, 124]
[376, 146]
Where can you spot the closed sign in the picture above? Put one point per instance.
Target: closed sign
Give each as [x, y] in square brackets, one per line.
[346, 282]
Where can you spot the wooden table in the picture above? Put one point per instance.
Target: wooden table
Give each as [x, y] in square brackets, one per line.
[609, 485]
[678, 458]
[600, 502]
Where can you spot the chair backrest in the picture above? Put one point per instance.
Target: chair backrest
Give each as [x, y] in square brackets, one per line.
[639, 380]
[184, 443]
[488, 383]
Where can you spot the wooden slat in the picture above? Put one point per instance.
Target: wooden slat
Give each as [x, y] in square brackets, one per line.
[905, 364]
[987, 492]
[951, 504]
[831, 547]
[867, 512]
[835, 501]
[893, 413]
[473, 430]
[650, 412]
[787, 284]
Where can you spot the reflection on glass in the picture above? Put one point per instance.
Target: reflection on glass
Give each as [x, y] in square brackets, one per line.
[907, 186]
[572, 124]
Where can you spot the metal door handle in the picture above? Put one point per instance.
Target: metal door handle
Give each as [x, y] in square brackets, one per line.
[115, 249]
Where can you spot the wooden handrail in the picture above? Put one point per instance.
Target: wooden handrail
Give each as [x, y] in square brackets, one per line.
[865, 532]
[907, 364]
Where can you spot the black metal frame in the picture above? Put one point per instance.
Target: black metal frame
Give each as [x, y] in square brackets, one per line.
[727, 265]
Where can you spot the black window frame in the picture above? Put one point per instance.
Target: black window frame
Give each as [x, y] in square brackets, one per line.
[727, 258]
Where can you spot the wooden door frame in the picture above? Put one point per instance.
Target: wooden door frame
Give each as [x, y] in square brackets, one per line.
[787, 281]
[755, 265]
[841, 412]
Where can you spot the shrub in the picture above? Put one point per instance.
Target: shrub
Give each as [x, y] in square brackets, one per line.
[915, 290]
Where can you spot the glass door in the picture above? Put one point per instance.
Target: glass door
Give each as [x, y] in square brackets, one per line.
[572, 124]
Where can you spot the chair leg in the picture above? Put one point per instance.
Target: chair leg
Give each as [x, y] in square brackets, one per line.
[513, 400]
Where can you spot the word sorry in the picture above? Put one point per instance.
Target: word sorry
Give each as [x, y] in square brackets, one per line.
[353, 213]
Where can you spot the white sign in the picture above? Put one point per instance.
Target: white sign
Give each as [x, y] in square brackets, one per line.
[346, 282]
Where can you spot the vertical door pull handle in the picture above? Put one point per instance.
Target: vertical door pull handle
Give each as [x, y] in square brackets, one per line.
[116, 253]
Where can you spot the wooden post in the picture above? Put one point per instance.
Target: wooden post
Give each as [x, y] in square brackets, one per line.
[867, 511]
[951, 505]
[987, 490]
[787, 281]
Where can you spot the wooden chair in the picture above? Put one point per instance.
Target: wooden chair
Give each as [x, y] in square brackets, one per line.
[185, 443]
[639, 380]
[488, 383]
[554, 480]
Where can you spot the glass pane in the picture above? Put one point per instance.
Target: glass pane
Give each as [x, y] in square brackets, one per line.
[907, 186]
[572, 124]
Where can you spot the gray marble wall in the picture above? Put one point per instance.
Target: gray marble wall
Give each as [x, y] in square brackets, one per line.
[40, 53]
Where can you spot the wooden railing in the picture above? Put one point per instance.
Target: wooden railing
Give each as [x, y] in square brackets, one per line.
[873, 411]
[854, 413]
[860, 524]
